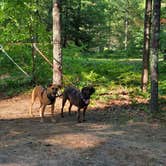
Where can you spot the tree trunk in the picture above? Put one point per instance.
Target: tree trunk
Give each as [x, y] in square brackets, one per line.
[126, 32]
[126, 24]
[164, 55]
[33, 60]
[77, 24]
[57, 54]
[65, 24]
[34, 37]
[33, 40]
[154, 56]
[146, 49]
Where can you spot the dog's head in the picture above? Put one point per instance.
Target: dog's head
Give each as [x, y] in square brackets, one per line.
[87, 92]
[53, 89]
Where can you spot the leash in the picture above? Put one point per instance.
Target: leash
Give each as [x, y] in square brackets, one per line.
[21, 69]
[45, 58]
[48, 61]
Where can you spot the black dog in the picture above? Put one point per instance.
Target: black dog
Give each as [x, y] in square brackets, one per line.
[81, 99]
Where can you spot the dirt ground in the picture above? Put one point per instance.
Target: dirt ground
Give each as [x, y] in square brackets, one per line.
[113, 135]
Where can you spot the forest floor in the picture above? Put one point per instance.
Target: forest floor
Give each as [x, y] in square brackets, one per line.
[115, 134]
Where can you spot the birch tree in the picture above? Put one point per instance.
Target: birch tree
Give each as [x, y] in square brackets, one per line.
[57, 54]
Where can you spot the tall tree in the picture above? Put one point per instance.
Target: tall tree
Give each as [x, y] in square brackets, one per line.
[154, 55]
[163, 30]
[57, 54]
[77, 22]
[146, 49]
[126, 26]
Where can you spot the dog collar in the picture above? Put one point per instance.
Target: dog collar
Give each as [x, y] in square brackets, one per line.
[86, 101]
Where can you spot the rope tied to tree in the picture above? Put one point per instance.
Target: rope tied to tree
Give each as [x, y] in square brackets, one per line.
[40, 53]
[19, 67]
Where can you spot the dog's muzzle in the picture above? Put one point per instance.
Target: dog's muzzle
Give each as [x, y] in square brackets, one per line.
[54, 92]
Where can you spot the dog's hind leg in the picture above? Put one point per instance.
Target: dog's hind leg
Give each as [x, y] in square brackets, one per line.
[63, 104]
[78, 116]
[30, 110]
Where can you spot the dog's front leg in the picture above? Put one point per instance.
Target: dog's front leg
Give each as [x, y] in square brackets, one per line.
[84, 110]
[63, 104]
[70, 108]
[78, 116]
[52, 113]
[42, 109]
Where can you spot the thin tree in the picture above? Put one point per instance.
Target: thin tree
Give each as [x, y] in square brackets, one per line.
[146, 49]
[154, 56]
[126, 28]
[163, 36]
[34, 36]
[77, 23]
[57, 54]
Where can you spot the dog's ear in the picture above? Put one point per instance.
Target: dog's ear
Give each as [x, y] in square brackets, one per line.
[59, 86]
[91, 90]
[84, 89]
[49, 85]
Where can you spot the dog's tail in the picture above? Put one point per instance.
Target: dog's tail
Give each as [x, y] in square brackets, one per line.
[33, 96]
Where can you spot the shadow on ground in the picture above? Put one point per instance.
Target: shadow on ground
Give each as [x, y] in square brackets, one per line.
[112, 135]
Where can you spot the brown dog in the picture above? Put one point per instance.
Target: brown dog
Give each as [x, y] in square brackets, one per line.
[47, 96]
[81, 99]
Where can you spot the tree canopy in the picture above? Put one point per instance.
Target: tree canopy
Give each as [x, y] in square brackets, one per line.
[95, 24]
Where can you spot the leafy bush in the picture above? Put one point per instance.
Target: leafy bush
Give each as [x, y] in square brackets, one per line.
[72, 50]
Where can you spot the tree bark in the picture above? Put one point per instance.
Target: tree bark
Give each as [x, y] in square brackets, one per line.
[66, 25]
[146, 49]
[33, 60]
[77, 24]
[126, 32]
[126, 25]
[34, 38]
[154, 56]
[164, 56]
[57, 54]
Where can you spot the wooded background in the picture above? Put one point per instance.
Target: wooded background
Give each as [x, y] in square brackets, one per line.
[97, 25]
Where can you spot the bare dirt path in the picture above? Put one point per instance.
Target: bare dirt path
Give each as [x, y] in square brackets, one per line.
[109, 137]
